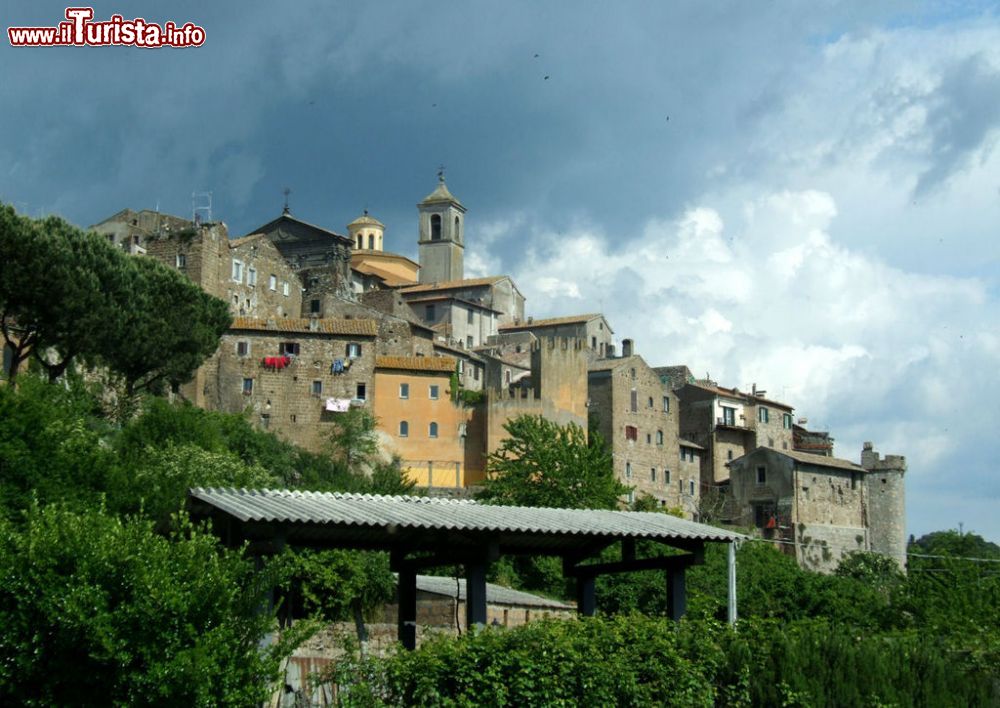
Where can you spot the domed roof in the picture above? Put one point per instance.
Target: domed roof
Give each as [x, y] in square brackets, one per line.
[366, 220]
[440, 194]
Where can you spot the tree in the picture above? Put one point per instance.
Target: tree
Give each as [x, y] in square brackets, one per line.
[164, 329]
[353, 439]
[541, 463]
[59, 289]
[102, 611]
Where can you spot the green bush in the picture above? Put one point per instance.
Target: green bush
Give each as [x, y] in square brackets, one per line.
[100, 611]
[632, 660]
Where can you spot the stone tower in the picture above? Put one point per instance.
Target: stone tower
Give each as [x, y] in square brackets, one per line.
[442, 222]
[886, 503]
[366, 233]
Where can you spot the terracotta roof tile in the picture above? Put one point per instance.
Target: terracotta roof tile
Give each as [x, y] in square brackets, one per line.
[364, 328]
[550, 322]
[443, 364]
[453, 284]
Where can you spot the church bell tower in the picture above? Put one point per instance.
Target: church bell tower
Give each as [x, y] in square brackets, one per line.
[442, 244]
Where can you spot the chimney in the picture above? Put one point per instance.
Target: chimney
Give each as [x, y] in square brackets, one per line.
[869, 458]
[627, 345]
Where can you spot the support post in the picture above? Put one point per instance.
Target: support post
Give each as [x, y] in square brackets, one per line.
[676, 592]
[586, 597]
[407, 621]
[475, 595]
[732, 583]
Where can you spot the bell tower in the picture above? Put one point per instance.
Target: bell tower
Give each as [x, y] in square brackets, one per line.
[442, 240]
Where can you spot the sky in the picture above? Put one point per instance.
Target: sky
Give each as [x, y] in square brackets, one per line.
[799, 195]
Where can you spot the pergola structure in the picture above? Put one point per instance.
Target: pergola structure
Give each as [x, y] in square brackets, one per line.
[421, 532]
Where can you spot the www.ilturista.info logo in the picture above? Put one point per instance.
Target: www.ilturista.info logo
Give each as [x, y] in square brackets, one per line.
[80, 31]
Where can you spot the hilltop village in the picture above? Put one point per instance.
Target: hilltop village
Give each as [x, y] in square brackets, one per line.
[323, 322]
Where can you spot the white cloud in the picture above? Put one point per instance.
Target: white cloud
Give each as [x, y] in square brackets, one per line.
[767, 296]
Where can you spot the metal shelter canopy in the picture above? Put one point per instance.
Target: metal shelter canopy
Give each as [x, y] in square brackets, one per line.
[421, 532]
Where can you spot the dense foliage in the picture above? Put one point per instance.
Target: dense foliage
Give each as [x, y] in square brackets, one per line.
[97, 610]
[633, 660]
[542, 463]
[67, 295]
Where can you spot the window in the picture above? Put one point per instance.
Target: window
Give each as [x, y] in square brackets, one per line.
[666, 476]
[404, 390]
[630, 497]
[475, 373]
[435, 227]
[468, 342]
[691, 487]
[317, 388]
[469, 314]
[628, 470]
[181, 260]
[272, 282]
[729, 454]
[361, 392]
[429, 312]
[506, 376]
[634, 401]
[762, 414]
[652, 474]
[659, 438]
[314, 307]
[237, 271]
[289, 348]
[247, 387]
[404, 429]
[284, 288]
[432, 430]
[728, 415]
[632, 372]
[242, 348]
[666, 404]
[461, 367]
[593, 342]
[786, 421]
[432, 392]
[371, 242]
[761, 476]
[251, 277]
[353, 350]
[649, 438]
[631, 432]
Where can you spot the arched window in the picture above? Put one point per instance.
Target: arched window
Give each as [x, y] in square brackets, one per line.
[371, 242]
[433, 430]
[435, 227]
[361, 241]
[506, 376]
[458, 233]
[404, 428]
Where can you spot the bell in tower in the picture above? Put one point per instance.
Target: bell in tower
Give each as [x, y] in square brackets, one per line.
[441, 243]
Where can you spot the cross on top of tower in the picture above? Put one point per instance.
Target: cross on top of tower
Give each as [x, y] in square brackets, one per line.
[441, 174]
[286, 192]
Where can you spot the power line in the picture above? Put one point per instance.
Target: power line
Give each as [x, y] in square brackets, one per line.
[909, 554]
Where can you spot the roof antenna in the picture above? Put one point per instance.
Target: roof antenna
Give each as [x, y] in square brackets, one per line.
[286, 193]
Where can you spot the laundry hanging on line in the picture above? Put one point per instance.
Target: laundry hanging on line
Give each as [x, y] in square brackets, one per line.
[276, 362]
[338, 405]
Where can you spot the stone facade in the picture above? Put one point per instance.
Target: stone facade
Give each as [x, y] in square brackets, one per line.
[821, 508]
[886, 497]
[290, 398]
[638, 418]
[497, 293]
[593, 329]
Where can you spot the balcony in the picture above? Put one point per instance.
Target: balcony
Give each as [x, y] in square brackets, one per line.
[732, 424]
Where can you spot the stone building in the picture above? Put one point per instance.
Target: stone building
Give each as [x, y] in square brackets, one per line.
[494, 294]
[294, 375]
[821, 508]
[592, 329]
[130, 230]
[728, 424]
[812, 441]
[638, 418]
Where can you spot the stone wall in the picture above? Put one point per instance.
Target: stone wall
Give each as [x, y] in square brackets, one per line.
[886, 496]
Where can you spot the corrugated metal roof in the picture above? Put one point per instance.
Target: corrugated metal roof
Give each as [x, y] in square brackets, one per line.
[495, 594]
[444, 364]
[297, 324]
[378, 518]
